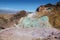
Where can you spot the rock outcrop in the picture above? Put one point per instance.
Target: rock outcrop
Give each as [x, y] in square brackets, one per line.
[40, 25]
[12, 21]
[54, 13]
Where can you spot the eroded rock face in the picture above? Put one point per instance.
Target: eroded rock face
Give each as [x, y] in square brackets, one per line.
[32, 27]
[12, 21]
[18, 16]
[42, 31]
[17, 33]
[53, 12]
[33, 20]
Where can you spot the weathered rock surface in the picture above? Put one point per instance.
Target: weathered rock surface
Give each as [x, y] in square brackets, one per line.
[17, 33]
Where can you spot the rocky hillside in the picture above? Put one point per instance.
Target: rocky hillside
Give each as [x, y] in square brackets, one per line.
[44, 24]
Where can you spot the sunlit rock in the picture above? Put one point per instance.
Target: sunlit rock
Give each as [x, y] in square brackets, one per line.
[17, 33]
[53, 12]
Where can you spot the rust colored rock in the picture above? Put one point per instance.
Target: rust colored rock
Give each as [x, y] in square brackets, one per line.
[52, 11]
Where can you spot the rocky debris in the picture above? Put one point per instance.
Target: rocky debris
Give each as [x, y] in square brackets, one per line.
[17, 33]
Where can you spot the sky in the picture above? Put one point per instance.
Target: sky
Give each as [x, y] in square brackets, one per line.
[28, 5]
